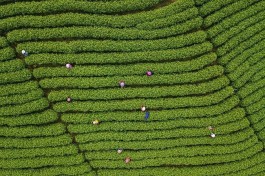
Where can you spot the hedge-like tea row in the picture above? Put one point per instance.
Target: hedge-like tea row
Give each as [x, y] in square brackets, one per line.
[7, 53]
[251, 55]
[256, 106]
[25, 108]
[169, 143]
[38, 152]
[140, 126]
[227, 11]
[30, 119]
[259, 125]
[190, 77]
[33, 131]
[225, 36]
[126, 70]
[18, 88]
[151, 92]
[11, 142]
[11, 66]
[59, 6]
[109, 45]
[20, 99]
[51, 171]
[108, 82]
[239, 38]
[70, 19]
[102, 32]
[17, 76]
[104, 58]
[261, 135]
[257, 116]
[233, 20]
[207, 170]
[256, 169]
[214, 5]
[239, 71]
[41, 162]
[174, 152]
[197, 160]
[242, 47]
[133, 104]
[249, 74]
[157, 117]
[258, 76]
[254, 97]
[4, 43]
[250, 88]
[156, 134]
[255, 58]
[169, 20]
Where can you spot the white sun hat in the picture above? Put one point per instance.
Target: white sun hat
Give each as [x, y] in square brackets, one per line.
[143, 108]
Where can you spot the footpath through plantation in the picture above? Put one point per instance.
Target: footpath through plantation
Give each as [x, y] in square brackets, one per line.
[132, 88]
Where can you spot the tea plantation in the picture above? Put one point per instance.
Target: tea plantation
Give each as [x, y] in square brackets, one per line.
[132, 88]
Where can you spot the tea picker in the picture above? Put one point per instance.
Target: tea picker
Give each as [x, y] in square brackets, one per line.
[69, 66]
[147, 114]
[122, 84]
[149, 73]
[95, 122]
[24, 53]
[143, 108]
[119, 151]
[127, 160]
[211, 129]
[68, 99]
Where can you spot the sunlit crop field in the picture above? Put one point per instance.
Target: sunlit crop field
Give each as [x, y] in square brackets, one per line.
[132, 88]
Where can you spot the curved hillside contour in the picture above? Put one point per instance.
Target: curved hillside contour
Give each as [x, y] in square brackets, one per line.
[207, 64]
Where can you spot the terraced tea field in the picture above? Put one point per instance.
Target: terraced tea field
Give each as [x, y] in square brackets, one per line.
[132, 87]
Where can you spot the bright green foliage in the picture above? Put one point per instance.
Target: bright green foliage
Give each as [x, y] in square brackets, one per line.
[226, 11]
[109, 45]
[207, 59]
[68, 5]
[51, 171]
[169, 20]
[19, 88]
[234, 19]
[35, 142]
[225, 36]
[246, 57]
[25, 108]
[41, 162]
[3, 42]
[11, 66]
[31, 119]
[102, 32]
[20, 99]
[158, 117]
[166, 143]
[38, 152]
[221, 169]
[214, 5]
[132, 69]
[236, 40]
[66, 19]
[12, 77]
[100, 82]
[103, 58]
[48, 130]
[6, 53]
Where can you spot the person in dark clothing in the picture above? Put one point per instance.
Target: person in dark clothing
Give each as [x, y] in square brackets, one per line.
[147, 114]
